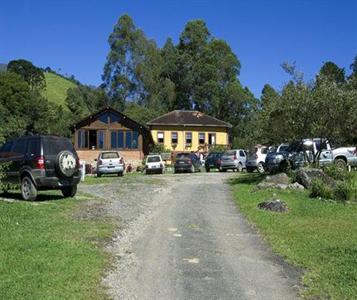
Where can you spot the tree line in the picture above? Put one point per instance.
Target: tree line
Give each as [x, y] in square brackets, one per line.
[199, 72]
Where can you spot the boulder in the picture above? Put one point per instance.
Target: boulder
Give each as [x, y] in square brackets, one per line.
[296, 186]
[306, 175]
[274, 205]
[279, 181]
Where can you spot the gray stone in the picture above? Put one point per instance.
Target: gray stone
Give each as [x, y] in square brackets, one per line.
[275, 205]
[278, 181]
[306, 175]
[296, 186]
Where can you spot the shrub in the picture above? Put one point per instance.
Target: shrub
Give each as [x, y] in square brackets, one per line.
[321, 189]
[159, 148]
[342, 191]
[4, 186]
[336, 173]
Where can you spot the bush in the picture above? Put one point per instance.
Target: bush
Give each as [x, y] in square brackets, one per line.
[342, 191]
[4, 186]
[159, 148]
[336, 173]
[321, 189]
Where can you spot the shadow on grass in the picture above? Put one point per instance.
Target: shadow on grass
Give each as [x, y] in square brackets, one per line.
[247, 179]
[42, 197]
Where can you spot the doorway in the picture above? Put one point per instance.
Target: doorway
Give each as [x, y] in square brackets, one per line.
[211, 138]
[92, 139]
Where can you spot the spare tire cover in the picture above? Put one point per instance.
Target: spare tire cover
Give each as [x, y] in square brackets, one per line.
[66, 163]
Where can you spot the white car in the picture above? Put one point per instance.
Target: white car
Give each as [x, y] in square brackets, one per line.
[110, 162]
[256, 159]
[234, 160]
[154, 164]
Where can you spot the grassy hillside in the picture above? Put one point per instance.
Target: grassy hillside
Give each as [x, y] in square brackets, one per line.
[56, 88]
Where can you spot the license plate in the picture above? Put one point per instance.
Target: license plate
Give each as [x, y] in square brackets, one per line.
[111, 167]
[181, 162]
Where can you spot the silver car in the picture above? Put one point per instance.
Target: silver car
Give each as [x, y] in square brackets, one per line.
[233, 160]
[110, 162]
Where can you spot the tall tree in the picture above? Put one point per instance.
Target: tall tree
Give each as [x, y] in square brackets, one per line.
[331, 72]
[127, 44]
[31, 74]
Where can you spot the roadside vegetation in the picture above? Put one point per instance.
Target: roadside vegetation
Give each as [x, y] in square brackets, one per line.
[52, 248]
[319, 236]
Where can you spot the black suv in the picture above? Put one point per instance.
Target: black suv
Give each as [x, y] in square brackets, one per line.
[41, 163]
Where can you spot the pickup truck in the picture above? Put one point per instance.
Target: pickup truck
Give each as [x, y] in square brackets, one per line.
[303, 151]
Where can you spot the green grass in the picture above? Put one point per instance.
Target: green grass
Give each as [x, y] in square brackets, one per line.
[56, 88]
[50, 249]
[319, 236]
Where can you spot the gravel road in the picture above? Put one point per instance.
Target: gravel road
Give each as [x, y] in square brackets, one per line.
[182, 237]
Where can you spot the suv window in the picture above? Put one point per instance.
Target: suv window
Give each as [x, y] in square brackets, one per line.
[53, 146]
[34, 147]
[7, 147]
[183, 155]
[20, 147]
[241, 153]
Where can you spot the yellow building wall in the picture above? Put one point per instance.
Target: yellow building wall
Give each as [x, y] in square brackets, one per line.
[221, 136]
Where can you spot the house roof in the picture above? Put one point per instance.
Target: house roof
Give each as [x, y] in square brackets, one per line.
[91, 118]
[188, 118]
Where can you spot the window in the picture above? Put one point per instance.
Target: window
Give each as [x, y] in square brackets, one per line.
[201, 138]
[101, 139]
[34, 147]
[212, 138]
[160, 137]
[20, 147]
[110, 155]
[241, 153]
[135, 141]
[53, 146]
[7, 147]
[104, 118]
[128, 139]
[174, 138]
[188, 138]
[114, 118]
[82, 139]
[124, 139]
[120, 139]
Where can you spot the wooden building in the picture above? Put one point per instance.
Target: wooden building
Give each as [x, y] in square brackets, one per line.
[109, 129]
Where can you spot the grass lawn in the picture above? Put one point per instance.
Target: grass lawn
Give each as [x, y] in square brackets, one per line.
[319, 236]
[105, 179]
[56, 88]
[50, 249]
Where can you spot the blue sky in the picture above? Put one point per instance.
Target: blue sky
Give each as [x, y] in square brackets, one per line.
[71, 35]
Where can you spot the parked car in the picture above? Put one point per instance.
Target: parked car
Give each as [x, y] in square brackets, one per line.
[256, 159]
[110, 162]
[341, 157]
[154, 164]
[187, 162]
[213, 161]
[41, 163]
[233, 160]
[274, 160]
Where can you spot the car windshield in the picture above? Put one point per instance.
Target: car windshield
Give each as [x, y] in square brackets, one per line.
[264, 150]
[110, 155]
[229, 153]
[152, 159]
[183, 155]
[283, 148]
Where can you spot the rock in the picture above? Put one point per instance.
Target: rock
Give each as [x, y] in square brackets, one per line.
[296, 186]
[280, 178]
[274, 205]
[279, 181]
[306, 175]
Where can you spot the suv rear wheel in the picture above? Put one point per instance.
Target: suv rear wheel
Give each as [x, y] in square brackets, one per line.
[340, 164]
[69, 191]
[260, 168]
[28, 189]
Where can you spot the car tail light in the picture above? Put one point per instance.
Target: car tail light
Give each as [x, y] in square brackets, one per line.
[189, 161]
[235, 157]
[40, 163]
[121, 160]
[161, 165]
[78, 163]
[218, 161]
[100, 162]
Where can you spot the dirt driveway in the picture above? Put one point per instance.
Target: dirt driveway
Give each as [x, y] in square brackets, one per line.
[182, 237]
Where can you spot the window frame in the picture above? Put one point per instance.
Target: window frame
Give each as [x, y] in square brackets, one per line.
[163, 137]
[172, 139]
[186, 133]
[199, 138]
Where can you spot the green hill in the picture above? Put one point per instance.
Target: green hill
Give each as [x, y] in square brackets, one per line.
[56, 88]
